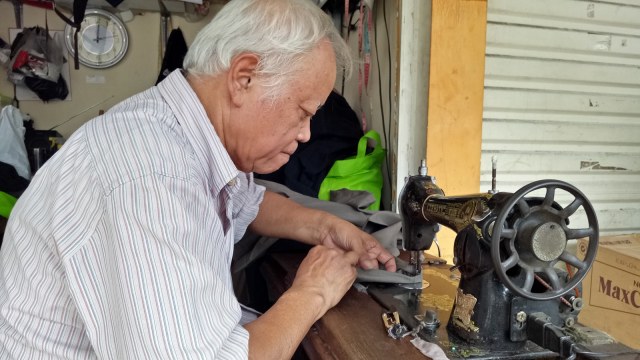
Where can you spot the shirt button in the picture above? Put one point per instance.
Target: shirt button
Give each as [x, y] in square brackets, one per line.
[232, 182]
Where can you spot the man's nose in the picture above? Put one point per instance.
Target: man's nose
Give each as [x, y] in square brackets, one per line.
[305, 133]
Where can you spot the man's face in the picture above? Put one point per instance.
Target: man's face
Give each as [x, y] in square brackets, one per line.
[272, 129]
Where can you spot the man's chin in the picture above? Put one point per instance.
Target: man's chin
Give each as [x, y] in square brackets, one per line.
[271, 166]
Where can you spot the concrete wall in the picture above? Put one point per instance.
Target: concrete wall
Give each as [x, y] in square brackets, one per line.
[138, 71]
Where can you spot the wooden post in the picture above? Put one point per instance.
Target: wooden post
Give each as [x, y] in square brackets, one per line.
[456, 87]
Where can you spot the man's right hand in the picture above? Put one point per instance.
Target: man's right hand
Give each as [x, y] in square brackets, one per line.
[327, 273]
[324, 276]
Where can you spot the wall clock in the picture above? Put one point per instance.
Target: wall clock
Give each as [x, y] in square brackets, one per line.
[102, 41]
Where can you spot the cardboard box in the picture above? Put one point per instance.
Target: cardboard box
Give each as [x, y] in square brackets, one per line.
[611, 289]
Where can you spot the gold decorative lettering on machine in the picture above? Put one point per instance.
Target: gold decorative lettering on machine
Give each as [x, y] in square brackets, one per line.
[455, 212]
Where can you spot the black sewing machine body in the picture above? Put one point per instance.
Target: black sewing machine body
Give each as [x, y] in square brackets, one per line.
[482, 298]
[519, 289]
[486, 312]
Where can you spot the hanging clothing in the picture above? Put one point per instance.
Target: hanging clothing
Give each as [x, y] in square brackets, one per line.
[173, 55]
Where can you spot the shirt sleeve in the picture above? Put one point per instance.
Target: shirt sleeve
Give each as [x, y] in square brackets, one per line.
[157, 282]
[246, 204]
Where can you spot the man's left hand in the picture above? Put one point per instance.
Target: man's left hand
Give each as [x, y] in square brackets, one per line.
[344, 235]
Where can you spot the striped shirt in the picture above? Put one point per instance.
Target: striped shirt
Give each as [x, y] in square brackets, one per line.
[121, 246]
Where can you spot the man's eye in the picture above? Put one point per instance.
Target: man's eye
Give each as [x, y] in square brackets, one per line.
[305, 116]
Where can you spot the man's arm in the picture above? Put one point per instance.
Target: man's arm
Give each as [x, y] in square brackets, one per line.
[324, 276]
[284, 218]
[322, 279]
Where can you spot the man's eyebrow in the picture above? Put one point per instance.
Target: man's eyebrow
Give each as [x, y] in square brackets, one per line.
[311, 112]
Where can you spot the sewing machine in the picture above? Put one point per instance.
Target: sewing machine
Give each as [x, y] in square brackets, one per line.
[519, 284]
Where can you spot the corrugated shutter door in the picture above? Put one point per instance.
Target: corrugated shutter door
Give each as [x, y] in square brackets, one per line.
[562, 101]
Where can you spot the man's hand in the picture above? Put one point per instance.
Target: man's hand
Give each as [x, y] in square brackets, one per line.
[322, 279]
[326, 272]
[344, 235]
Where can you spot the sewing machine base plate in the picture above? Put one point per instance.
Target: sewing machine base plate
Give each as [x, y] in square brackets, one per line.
[411, 302]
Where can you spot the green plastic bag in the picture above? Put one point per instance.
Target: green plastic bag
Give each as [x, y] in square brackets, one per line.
[360, 172]
[6, 204]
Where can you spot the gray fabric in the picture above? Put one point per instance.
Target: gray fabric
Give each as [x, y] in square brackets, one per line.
[348, 212]
[383, 276]
[385, 226]
[357, 199]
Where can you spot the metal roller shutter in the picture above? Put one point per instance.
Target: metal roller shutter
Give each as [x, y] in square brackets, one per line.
[562, 101]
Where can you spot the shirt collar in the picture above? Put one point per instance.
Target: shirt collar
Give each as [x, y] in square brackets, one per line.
[199, 131]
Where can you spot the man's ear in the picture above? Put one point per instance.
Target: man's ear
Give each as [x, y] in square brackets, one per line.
[241, 76]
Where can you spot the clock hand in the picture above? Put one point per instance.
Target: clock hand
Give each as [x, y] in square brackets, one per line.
[98, 34]
[87, 38]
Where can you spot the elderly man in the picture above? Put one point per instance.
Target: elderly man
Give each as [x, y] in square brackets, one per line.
[121, 246]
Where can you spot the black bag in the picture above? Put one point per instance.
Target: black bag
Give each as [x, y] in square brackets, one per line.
[46, 89]
[36, 62]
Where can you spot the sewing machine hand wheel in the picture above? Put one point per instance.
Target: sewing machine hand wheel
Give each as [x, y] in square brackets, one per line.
[530, 235]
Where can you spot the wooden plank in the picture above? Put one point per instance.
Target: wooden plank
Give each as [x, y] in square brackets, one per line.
[456, 92]
[456, 84]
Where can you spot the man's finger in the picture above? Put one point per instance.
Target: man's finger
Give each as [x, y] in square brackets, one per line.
[388, 260]
[352, 257]
[359, 247]
[390, 264]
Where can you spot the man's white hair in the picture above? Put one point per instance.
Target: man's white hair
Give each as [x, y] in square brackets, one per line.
[279, 32]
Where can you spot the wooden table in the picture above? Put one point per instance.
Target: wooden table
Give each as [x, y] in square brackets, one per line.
[353, 329]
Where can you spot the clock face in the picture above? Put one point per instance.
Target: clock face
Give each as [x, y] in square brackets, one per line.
[102, 40]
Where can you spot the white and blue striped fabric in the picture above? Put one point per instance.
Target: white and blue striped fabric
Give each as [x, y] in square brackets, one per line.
[121, 246]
